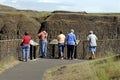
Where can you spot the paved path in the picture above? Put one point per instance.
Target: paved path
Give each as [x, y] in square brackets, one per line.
[33, 70]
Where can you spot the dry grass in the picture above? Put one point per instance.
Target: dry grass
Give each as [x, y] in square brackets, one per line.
[28, 13]
[7, 63]
[91, 70]
[70, 72]
[104, 14]
[108, 70]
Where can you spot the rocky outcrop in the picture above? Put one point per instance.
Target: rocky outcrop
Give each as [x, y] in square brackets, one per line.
[14, 22]
[105, 27]
[14, 26]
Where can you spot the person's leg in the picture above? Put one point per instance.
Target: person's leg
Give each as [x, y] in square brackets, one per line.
[93, 55]
[72, 51]
[27, 52]
[60, 49]
[93, 52]
[23, 53]
[45, 48]
[68, 51]
[42, 48]
[90, 52]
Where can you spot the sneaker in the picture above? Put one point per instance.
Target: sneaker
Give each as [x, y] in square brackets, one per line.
[62, 58]
[90, 58]
[24, 60]
[34, 59]
[72, 58]
[68, 58]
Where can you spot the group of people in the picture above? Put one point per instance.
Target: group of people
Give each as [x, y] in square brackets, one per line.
[69, 40]
[26, 41]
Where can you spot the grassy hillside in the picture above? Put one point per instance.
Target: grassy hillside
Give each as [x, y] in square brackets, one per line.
[14, 22]
[10, 10]
[92, 70]
[6, 8]
[7, 63]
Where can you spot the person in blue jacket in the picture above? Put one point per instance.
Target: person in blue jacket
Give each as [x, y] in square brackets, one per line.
[71, 41]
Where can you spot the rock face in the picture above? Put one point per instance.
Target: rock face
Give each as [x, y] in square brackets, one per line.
[14, 26]
[105, 27]
[14, 22]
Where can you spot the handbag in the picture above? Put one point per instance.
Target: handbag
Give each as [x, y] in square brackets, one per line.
[21, 44]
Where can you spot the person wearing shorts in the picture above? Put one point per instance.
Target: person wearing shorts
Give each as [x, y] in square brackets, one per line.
[92, 49]
[92, 38]
[61, 44]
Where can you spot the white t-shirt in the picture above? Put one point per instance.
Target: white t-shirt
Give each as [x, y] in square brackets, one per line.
[92, 39]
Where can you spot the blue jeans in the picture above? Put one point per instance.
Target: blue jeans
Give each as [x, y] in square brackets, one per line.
[43, 47]
[25, 52]
[61, 48]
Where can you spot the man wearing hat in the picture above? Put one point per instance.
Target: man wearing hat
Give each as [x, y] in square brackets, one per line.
[92, 44]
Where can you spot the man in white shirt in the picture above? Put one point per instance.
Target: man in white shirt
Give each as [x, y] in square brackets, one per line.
[92, 44]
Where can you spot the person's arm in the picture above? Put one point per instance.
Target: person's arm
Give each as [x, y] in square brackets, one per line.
[88, 38]
[75, 38]
[22, 38]
[96, 38]
[58, 38]
[39, 34]
[66, 39]
[46, 35]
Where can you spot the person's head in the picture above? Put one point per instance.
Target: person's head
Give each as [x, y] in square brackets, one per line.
[26, 33]
[61, 32]
[72, 30]
[91, 32]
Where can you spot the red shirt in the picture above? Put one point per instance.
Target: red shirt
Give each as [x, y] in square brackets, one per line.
[26, 40]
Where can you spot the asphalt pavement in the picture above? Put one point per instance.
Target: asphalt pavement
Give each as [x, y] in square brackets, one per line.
[33, 69]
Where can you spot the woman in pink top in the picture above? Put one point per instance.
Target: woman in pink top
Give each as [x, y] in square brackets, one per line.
[43, 43]
[26, 46]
